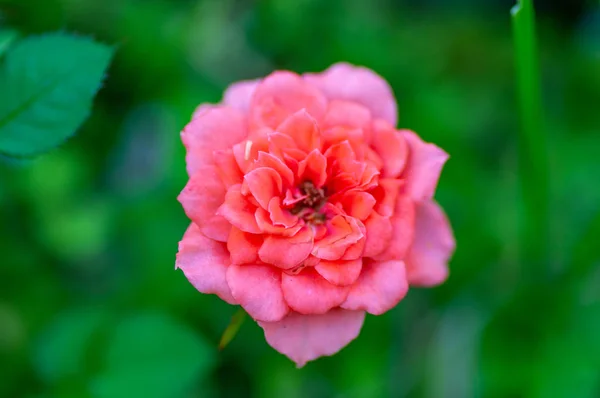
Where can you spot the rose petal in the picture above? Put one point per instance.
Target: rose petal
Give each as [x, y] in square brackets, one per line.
[379, 234]
[309, 293]
[270, 161]
[341, 273]
[264, 183]
[391, 146]
[243, 247]
[386, 195]
[265, 224]
[313, 168]
[282, 94]
[358, 204]
[347, 114]
[303, 129]
[238, 95]
[403, 230]
[303, 338]
[204, 263]
[215, 128]
[279, 216]
[342, 232]
[424, 166]
[228, 169]
[257, 288]
[359, 84]
[434, 244]
[239, 211]
[379, 288]
[287, 252]
[201, 198]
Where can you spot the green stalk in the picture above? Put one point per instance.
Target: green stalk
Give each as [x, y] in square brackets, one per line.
[532, 146]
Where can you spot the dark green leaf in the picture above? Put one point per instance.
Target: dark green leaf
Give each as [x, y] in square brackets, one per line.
[48, 84]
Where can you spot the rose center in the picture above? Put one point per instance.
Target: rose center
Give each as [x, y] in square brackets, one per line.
[313, 199]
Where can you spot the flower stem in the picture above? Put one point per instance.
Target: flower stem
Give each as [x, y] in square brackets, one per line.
[532, 146]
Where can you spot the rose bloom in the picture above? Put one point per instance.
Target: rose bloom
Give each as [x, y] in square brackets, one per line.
[309, 208]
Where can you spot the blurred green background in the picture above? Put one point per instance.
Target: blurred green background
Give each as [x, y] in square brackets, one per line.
[90, 303]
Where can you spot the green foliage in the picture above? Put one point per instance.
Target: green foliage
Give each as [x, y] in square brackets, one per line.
[152, 356]
[88, 233]
[47, 83]
[6, 38]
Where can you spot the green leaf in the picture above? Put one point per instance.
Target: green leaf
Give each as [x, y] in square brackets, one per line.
[47, 84]
[6, 38]
[152, 356]
[234, 326]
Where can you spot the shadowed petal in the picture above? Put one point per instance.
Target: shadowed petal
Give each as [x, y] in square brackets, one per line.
[427, 259]
[425, 163]
[309, 293]
[348, 82]
[379, 288]
[204, 263]
[303, 338]
[257, 288]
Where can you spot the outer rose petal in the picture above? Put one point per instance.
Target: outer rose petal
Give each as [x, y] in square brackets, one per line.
[303, 338]
[379, 288]
[280, 95]
[214, 128]
[204, 263]
[425, 163]
[427, 259]
[238, 95]
[258, 290]
[309, 293]
[348, 82]
[201, 198]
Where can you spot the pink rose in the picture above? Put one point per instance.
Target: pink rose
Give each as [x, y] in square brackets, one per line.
[309, 208]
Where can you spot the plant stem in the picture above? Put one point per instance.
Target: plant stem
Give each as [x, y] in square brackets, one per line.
[532, 146]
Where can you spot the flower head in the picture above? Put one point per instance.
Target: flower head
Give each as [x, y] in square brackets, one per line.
[309, 208]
